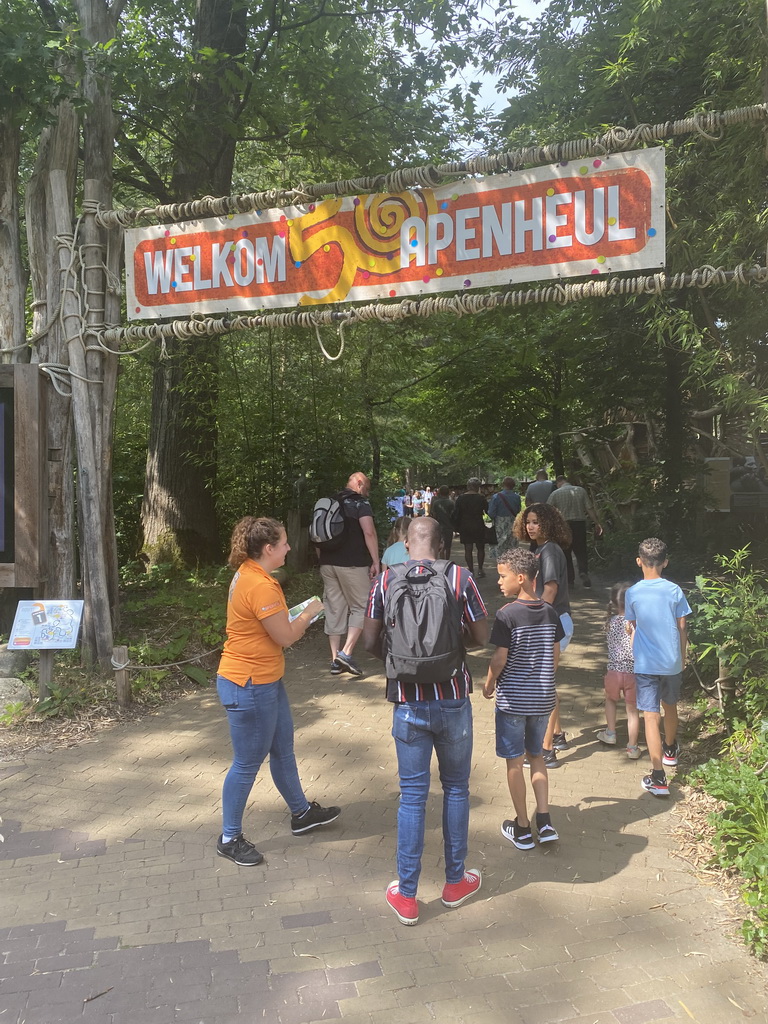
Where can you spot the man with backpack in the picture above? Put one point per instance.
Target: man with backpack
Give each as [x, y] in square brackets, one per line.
[344, 535]
[420, 614]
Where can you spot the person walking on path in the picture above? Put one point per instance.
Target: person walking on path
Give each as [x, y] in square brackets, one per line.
[526, 634]
[250, 686]
[503, 509]
[620, 675]
[470, 525]
[429, 714]
[545, 528]
[442, 509]
[347, 572]
[539, 489]
[574, 504]
[656, 611]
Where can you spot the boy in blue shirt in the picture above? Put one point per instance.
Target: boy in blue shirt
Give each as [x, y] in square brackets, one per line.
[655, 610]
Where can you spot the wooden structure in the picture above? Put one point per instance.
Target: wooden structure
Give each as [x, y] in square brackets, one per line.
[26, 476]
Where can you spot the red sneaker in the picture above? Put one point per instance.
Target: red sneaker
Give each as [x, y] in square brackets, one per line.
[454, 893]
[405, 907]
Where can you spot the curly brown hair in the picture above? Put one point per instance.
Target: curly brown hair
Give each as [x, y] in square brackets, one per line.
[553, 526]
[249, 538]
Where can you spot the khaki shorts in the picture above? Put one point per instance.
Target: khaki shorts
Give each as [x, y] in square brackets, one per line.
[345, 596]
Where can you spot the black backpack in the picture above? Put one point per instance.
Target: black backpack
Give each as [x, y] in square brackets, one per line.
[328, 529]
[422, 624]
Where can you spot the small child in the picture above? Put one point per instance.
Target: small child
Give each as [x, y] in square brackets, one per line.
[620, 678]
[396, 551]
[527, 634]
[656, 609]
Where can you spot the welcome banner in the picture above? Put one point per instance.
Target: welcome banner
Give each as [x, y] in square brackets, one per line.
[584, 217]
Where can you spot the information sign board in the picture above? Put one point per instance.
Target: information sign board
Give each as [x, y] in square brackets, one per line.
[46, 625]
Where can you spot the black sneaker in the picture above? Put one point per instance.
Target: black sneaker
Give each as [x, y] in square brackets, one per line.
[671, 753]
[586, 581]
[336, 668]
[550, 759]
[559, 742]
[313, 817]
[655, 784]
[546, 831]
[240, 851]
[520, 835]
[348, 664]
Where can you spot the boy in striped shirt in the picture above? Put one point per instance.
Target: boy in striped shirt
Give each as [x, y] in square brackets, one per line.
[527, 634]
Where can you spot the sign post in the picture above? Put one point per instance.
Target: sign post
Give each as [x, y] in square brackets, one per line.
[46, 626]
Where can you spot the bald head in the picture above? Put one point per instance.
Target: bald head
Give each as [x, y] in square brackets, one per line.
[423, 538]
[359, 482]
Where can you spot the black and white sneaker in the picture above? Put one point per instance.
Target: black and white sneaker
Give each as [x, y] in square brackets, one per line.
[519, 835]
[671, 752]
[336, 668]
[240, 851]
[348, 664]
[559, 742]
[550, 759]
[545, 830]
[655, 784]
[315, 816]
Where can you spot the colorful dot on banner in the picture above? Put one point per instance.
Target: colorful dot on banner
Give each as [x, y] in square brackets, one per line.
[259, 262]
[311, 207]
[245, 234]
[167, 233]
[233, 246]
[611, 221]
[138, 309]
[426, 279]
[443, 206]
[230, 258]
[230, 216]
[467, 283]
[282, 219]
[355, 201]
[651, 232]
[595, 271]
[281, 234]
[173, 284]
[553, 238]
[366, 275]
[371, 263]
[563, 163]
[597, 163]
[601, 259]
[414, 241]
[326, 248]
[550, 191]
[455, 196]
[583, 170]
[297, 264]
[192, 258]
[439, 272]
[289, 223]
[258, 213]
[173, 241]
[392, 294]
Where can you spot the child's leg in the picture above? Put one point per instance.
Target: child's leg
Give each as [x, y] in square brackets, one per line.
[610, 714]
[553, 725]
[540, 783]
[670, 723]
[633, 724]
[653, 737]
[516, 782]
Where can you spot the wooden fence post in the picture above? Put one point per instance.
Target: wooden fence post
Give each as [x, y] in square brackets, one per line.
[122, 679]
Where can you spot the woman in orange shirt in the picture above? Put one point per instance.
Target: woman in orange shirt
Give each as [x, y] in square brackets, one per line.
[250, 686]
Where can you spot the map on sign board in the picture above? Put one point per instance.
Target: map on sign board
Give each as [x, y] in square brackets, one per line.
[46, 625]
[580, 218]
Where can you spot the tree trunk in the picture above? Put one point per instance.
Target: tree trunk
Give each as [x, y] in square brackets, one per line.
[178, 511]
[674, 433]
[12, 278]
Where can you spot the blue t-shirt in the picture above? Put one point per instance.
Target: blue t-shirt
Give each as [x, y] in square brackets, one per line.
[395, 554]
[655, 606]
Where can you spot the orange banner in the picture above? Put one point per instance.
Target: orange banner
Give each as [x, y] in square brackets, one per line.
[586, 217]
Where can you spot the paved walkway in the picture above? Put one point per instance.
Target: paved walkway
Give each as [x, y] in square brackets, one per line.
[114, 908]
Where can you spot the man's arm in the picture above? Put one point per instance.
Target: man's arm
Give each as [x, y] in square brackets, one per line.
[477, 632]
[368, 527]
[497, 663]
[372, 637]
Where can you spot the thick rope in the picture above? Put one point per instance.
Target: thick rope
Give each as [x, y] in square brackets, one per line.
[459, 305]
[708, 124]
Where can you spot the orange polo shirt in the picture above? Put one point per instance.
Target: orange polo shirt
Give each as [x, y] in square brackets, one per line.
[249, 651]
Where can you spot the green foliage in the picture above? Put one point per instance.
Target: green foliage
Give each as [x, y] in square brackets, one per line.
[15, 713]
[63, 702]
[730, 621]
[741, 824]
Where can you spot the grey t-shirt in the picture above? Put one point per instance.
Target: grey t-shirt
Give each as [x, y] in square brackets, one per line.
[552, 569]
[539, 490]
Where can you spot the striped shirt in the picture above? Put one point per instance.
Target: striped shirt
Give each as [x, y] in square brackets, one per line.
[467, 594]
[528, 630]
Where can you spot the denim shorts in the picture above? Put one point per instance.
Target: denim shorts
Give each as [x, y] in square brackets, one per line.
[519, 734]
[653, 689]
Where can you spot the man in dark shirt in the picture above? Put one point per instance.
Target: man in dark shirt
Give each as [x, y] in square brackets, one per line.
[431, 717]
[347, 573]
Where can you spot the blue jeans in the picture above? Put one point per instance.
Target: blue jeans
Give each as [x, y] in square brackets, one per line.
[260, 723]
[418, 728]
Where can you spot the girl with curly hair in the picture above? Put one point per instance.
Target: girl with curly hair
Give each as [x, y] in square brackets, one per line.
[548, 533]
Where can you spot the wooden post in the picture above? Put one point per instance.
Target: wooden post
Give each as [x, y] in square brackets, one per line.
[45, 674]
[122, 680]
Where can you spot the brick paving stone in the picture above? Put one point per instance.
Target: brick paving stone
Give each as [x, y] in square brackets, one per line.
[641, 1013]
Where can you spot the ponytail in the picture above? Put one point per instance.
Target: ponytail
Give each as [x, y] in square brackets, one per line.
[249, 538]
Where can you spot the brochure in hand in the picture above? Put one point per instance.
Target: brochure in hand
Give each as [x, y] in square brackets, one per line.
[295, 612]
